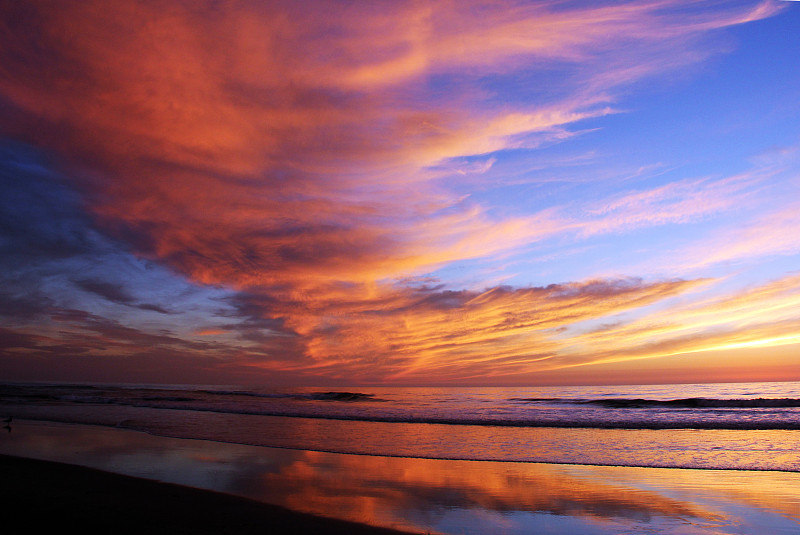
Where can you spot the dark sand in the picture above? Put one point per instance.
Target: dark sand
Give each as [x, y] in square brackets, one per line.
[39, 496]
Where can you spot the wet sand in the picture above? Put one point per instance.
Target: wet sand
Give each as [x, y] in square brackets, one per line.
[305, 488]
[43, 496]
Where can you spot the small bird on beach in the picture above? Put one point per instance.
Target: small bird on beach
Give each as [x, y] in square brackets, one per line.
[8, 420]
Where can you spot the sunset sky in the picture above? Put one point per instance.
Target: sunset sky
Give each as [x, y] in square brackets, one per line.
[454, 192]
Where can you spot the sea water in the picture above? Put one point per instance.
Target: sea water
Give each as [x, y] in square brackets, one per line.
[746, 426]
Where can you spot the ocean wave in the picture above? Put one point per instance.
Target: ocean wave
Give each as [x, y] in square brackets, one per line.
[683, 403]
[555, 422]
[318, 396]
[589, 410]
[165, 398]
[343, 396]
[126, 395]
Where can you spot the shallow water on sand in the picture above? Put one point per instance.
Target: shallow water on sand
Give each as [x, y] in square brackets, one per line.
[434, 495]
[763, 449]
[751, 426]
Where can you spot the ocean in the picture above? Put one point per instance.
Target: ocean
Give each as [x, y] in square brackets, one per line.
[741, 426]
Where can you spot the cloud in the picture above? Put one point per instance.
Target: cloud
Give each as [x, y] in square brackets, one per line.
[316, 485]
[116, 293]
[679, 202]
[746, 241]
[762, 316]
[291, 155]
[55, 264]
[397, 333]
[40, 213]
[300, 145]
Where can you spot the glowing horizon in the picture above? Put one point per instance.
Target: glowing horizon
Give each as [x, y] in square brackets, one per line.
[405, 193]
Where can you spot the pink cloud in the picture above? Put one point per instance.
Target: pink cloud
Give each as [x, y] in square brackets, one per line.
[285, 150]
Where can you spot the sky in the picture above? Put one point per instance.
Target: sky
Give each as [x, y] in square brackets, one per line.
[399, 193]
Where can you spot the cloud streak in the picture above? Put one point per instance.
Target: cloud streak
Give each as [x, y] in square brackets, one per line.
[295, 155]
[763, 316]
[246, 170]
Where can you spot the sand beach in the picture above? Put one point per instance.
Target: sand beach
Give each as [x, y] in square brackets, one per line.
[42, 496]
[107, 479]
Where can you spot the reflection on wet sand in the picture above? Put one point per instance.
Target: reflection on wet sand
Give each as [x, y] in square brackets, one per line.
[763, 449]
[438, 495]
[370, 488]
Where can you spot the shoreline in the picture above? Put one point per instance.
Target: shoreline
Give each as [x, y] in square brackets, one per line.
[665, 466]
[298, 491]
[646, 448]
[51, 495]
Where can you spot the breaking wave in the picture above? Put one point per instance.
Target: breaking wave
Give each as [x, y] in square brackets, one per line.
[684, 403]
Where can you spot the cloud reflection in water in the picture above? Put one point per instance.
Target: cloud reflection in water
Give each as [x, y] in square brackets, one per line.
[437, 495]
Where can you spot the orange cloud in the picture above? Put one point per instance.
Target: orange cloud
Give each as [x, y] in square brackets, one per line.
[243, 143]
[210, 332]
[286, 151]
[408, 334]
[764, 316]
[314, 483]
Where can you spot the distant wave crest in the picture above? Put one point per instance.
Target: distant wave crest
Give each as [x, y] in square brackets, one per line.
[319, 396]
[576, 411]
[683, 403]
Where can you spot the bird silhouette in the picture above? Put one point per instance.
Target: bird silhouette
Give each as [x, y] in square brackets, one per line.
[8, 420]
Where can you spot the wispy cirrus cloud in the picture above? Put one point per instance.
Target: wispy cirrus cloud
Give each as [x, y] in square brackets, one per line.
[683, 201]
[746, 242]
[761, 316]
